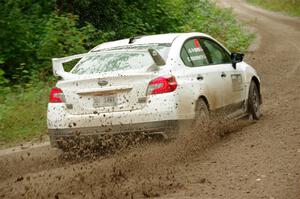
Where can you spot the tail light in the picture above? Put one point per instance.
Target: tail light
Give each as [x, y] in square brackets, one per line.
[162, 85]
[56, 95]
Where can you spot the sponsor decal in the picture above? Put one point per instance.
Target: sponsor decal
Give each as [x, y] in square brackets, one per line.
[197, 58]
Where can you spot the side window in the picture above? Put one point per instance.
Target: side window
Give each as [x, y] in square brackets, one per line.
[216, 53]
[185, 57]
[192, 53]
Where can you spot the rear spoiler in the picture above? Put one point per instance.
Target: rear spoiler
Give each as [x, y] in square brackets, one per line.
[59, 71]
[58, 68]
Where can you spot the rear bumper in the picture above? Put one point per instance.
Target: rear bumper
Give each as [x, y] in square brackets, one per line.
[164, 107]
[60, 135]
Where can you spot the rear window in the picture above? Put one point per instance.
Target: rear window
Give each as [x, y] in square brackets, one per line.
[120, 58]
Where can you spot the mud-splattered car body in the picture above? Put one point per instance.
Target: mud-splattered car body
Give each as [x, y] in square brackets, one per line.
[154, 82]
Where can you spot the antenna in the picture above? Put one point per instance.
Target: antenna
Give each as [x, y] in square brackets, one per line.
[132, 39]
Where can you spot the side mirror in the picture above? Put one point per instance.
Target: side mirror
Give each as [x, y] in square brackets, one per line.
[236, 58]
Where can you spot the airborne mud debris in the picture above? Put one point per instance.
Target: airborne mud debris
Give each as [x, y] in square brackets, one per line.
[141, 168]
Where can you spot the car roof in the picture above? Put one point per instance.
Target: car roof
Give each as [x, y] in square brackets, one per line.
[147, 39]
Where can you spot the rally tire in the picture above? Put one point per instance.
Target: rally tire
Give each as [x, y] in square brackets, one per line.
[254, 101]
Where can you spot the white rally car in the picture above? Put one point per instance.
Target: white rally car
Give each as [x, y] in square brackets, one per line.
[148, 84]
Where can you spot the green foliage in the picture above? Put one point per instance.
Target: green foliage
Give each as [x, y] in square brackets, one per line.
[23, 113]
[61, 37]
[3, 80]
[291, 7]
[21, 23]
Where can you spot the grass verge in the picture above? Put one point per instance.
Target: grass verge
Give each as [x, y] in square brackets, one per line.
[23, 114]
[290, 7]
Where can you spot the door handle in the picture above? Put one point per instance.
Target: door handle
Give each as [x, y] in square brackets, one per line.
[223, 75]
[199, 77]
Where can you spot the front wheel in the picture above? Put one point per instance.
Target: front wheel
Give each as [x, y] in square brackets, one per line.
[254, 101]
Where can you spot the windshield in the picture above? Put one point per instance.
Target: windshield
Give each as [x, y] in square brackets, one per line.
[119, 58]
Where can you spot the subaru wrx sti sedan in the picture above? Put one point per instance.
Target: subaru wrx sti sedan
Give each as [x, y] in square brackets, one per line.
[149, 84]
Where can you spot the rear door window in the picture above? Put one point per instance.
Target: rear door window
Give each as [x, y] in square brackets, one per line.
[215, 53]
[192, 53]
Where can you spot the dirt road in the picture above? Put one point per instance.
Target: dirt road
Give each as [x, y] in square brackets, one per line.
[253, 160]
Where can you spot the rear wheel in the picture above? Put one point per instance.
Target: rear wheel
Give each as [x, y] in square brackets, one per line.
[184, 126]
[254, 101]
